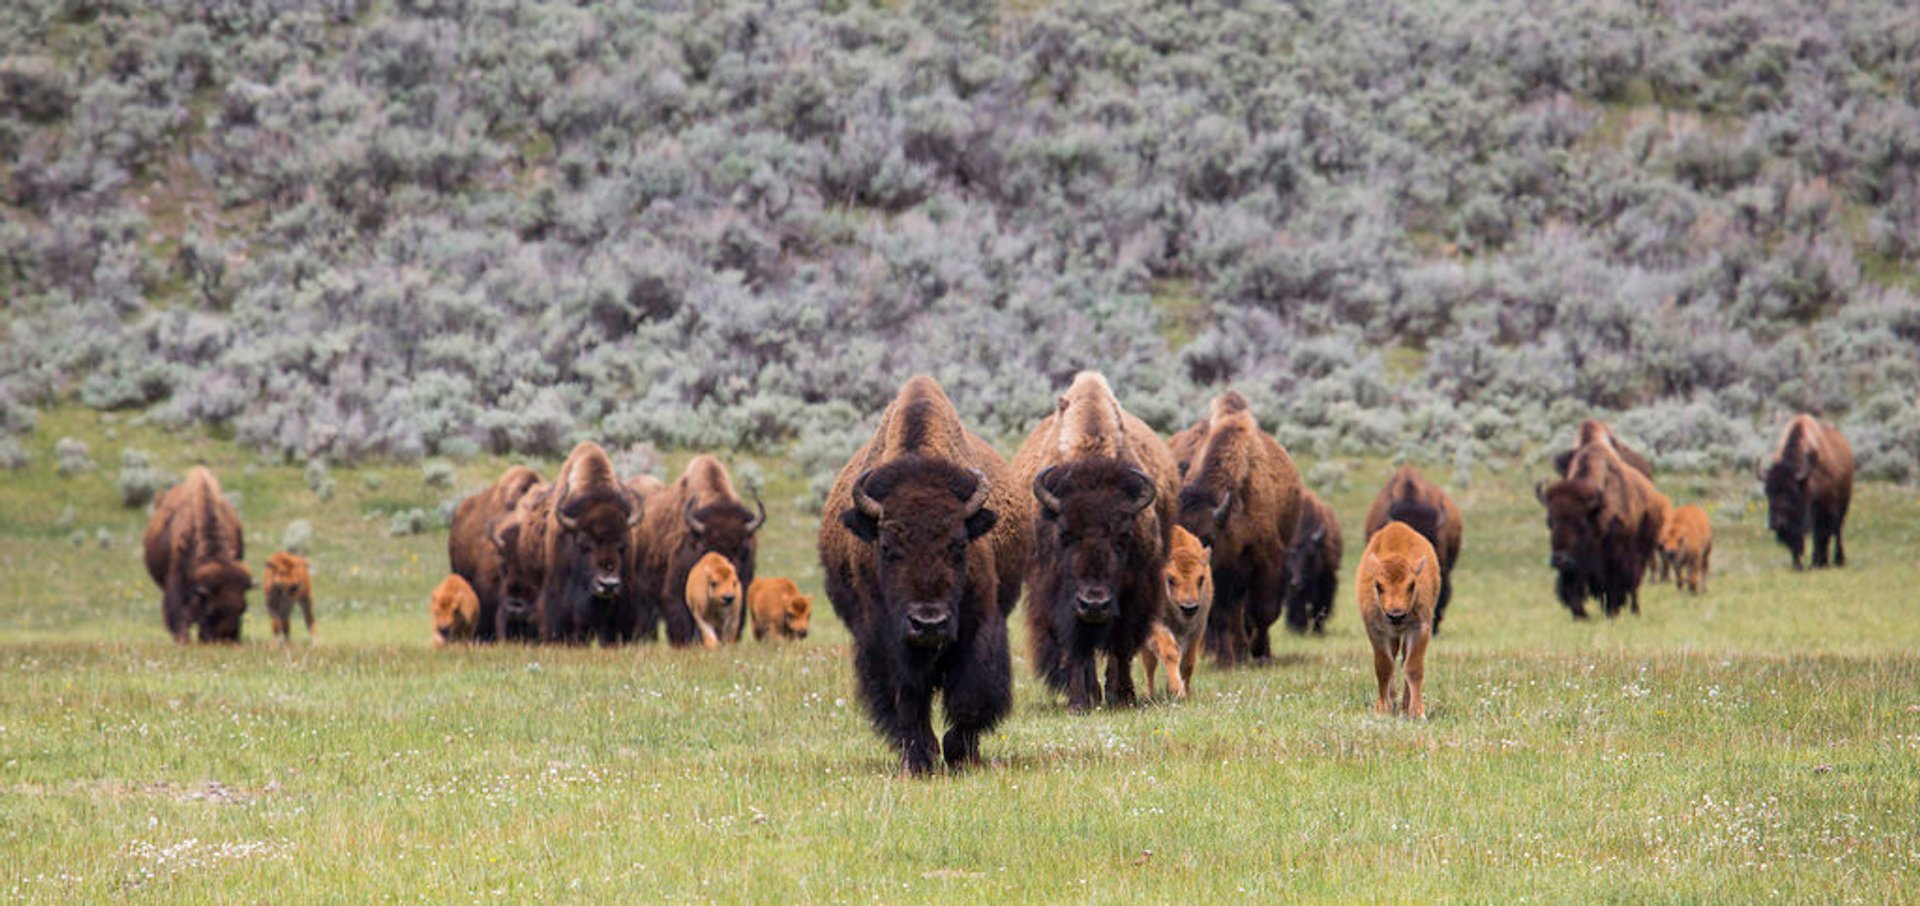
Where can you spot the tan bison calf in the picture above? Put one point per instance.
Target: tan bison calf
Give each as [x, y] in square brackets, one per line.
[778, 609]
[288, 583]
[714, 598]
[456, 611]
[1687, 544]
[1398, 586]
[1178, 632]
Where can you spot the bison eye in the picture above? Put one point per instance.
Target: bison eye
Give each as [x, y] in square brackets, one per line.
[1379, 589]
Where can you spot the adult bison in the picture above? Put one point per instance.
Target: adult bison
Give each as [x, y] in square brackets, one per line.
[698, 514]
[1241, 498]
[1809, 484]
[520, 537]
[1313, 566]
[587, 589]
[194, 546]
[1593, 431]
[1103, 494]
[1603, 528]
[1410, 498]
[923, 542]
[472, 555]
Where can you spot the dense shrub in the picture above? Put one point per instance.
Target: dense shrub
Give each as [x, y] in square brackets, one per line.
[139, 481]
[70, 456]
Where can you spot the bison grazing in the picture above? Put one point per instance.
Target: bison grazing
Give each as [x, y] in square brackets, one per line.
[289, 582]
[472, 555]
[456, 611]
[1591, 432]
[1603, 529]
[520, 539]
[1103, 487]
[1809, 486]
[698, 514]
[1242, 500]
[1424, 507]
[587, 590]
[778, 609]
[1176, 636]
[714, 597]
[1313, 566]
[1687, 544]
[923, 543]
[193, 551]
[1398, 590]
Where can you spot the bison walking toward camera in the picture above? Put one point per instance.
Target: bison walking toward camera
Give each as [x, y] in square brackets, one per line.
[698, 514]
[778, 609]
[715, 600]
[923, 543]
[1177, 634]
[289, 583]
[1604, 527]
[587, 589]
[471, 553]
[1103, 492]
[1410, 498]
[1313, 566]
[455, 611]
[1398, 590]
[194, 548]
[1687, 545]
[520, 540]
[1809, 484]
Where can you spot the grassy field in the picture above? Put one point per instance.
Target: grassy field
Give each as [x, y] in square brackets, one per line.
[1759, 741]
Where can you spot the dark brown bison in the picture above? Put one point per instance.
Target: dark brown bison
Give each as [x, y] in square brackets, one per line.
[1241, 498]
[1603, 528]
[1809, 484]
[1593, 431]
[520, 537]
[1313, 566]
[587, 590]
[698, 514]
[923, 543]
[1104, 489]
[194, 547]
[1424, 507]
[472, 555]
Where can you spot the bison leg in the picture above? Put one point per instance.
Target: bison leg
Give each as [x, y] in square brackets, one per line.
[1226, 622]
[1701, 570]
[1839, 546]
[1188, 658]
[1383, 676]
[1264, 597]
[1120, 691]
[1161, 646]
[1081, 684]
[1414, 705]
[978, 693]
[306, 611]
[1446, 594]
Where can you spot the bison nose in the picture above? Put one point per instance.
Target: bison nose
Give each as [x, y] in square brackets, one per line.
[1396, 617]
[726, 599]
[800, 634]
[925, 621]
[606, 586]
[1094, 604]
[1560, 560]
[1189, 608]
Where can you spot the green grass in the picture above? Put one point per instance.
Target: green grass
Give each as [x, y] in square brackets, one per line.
[1759, 740]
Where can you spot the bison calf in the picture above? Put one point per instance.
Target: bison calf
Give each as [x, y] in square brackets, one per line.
[713, 597]
[1687, 544]
[456, 611]
[1398, 587]
[1313, 564]
[1179, 631]
[778, 609]
[289, 583]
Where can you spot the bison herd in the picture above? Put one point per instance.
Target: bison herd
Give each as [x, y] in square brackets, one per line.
[1125, 545]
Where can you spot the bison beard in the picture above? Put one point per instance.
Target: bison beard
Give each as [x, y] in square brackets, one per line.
[1095, 581]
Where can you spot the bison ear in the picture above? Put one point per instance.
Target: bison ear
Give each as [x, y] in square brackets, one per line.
[981, 522]
[1540, 490]
[1319, 536]
[1420, 566]
[863, 526]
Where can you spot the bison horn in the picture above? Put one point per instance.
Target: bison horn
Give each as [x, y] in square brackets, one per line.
[868, 506]
[1148, 493]
[560, 508]
[753, 525]
[979, 498]
[694, 524]
[1048, 499]
[1806, 468]
[1540, 490]
[1220, 509]
[638, 505]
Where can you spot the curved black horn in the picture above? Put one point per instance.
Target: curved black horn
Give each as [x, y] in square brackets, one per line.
[979, 498]
[1220, 509]
[868, 506]
[753, 525]
[560, 510]
[1047, 498]
[1149, 492]
[1806, 468]
[693, 523]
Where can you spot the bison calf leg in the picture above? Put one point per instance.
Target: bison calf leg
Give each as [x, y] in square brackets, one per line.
[1162, 647]
[1383, 676]
[1188, 659]
[1414, 704]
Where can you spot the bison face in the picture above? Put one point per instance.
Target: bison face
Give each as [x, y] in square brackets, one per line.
[1573, 522]
[519, 583]
[725, 528]
[1088, 515]
[220, 597]
[1787, 504]
[919, 516]
[1189, 587]
[1395, 588]
[1305, 558]
[1205, 513]
[593, 532]
[799, 615]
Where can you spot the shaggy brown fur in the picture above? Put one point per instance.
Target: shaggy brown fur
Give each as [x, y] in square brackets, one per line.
[588, 587]
[923, 544]
[521, 539]
[778, 609]
[289, 582]
[1102, 504]
[194, 547]
[1688, 544]
[1597, 432]
[1397, 590]
[698, 514]
[1809, 486]
[1603, 526]
[1185, 444]
[714, 598]
[456, 611]
[1410, 498]
[1241, 498]
[1176, 635]
[472, 555]
[1313, 566]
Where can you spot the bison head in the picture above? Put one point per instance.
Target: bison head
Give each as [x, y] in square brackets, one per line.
[1189, 579]
[1573, 525]
[1394, 586]
[220, 598]
[1305, 558]
[799, 615]
[1204, 513]
[920, 515]
[1088, 514]
[519, 575]
[723, 527]
[595, 528]
[1787, 502]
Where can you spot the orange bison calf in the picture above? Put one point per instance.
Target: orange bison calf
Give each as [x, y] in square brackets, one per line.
[778, 609]
[1398, 586]
[1687, 544]
[1182, 624]
[456, 611]
[289, 583]
[713, 597]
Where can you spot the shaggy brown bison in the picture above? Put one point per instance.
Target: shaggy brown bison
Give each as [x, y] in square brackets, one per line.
[1687, 543]
[1241, 498]
[1313, 566]
[289, 582]
[1410, 498]
[1809, 484]
[1592, 431]
[1176, 636]
[455, 610]
[1103, 487]
[193, 550]
[778, 609]
[520, 537]
[714, 597]
[472, 555]
[1603, 528]
[1398, 590]
[923, 543]
[587, 588]
[698, 514]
